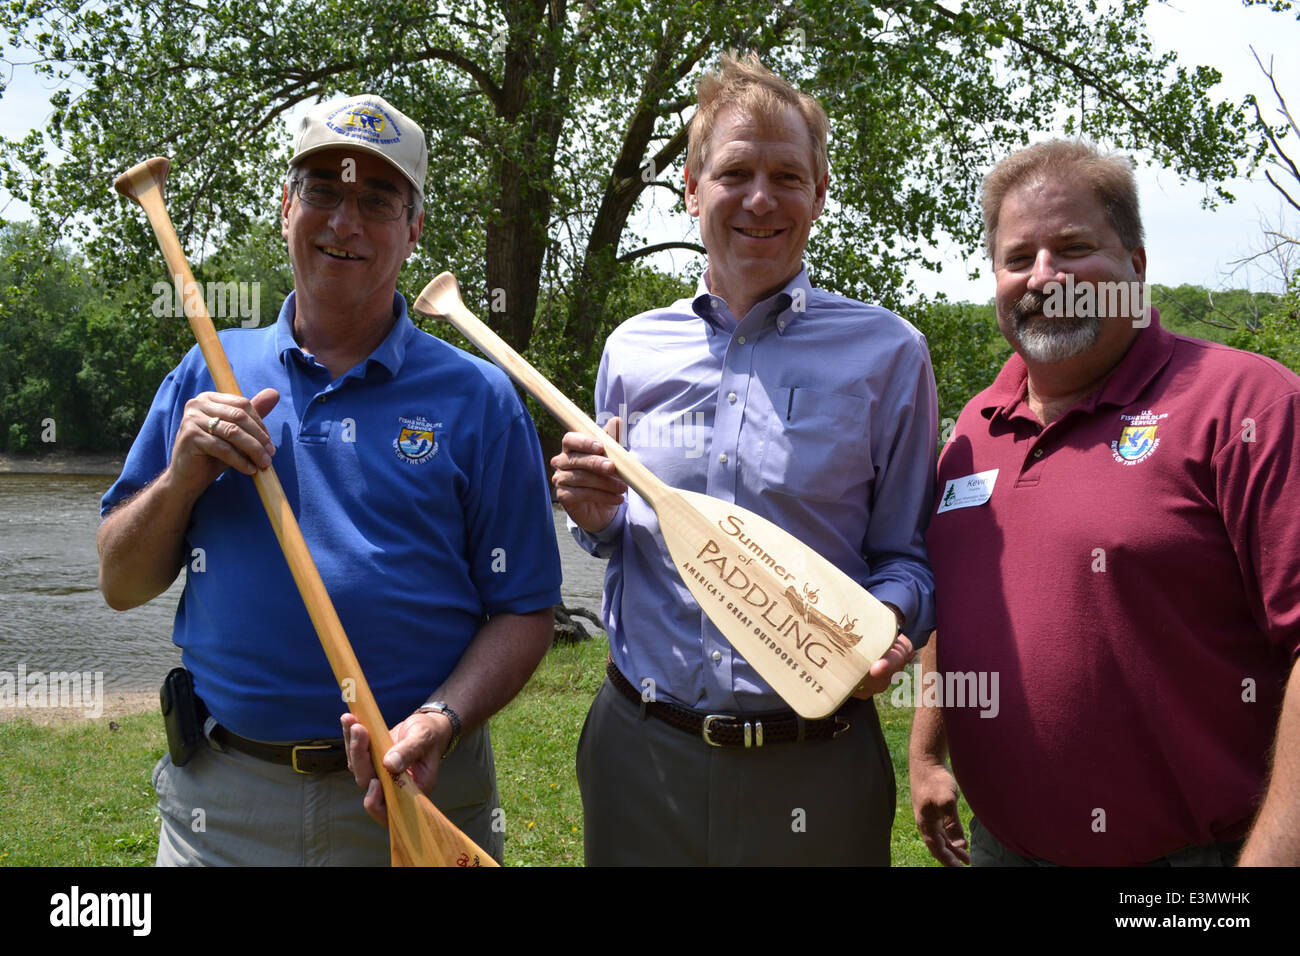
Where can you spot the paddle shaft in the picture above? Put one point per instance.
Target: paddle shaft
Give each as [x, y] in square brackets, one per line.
[319, 606]
[809, 630]
[641, 479]
[404, 806]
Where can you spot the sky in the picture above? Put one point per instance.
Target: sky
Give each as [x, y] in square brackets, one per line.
[1185, 243]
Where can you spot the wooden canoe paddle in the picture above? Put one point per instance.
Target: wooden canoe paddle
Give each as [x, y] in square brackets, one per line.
[808, 629]
[420, 835]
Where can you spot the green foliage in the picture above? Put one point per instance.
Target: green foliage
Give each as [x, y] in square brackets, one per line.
[1277, 332]
[635, 289]
[1254, 321]
[1215, 315]
[548, 126]
[73, 372]
[550, 123]
[966, 348]
[89, 357]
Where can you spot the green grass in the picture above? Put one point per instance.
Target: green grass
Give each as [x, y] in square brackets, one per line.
[535, 740]
[906, 846]
[80, 794]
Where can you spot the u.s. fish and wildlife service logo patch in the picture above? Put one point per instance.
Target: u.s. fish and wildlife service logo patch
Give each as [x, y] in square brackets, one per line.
[417, 439]
[366, 123]
[1137, 439]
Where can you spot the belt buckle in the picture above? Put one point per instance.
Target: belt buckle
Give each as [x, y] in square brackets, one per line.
[707, 727]
[294, 756]
[706, 730]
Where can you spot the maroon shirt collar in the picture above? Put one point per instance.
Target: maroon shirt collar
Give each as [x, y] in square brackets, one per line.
[1148, 354]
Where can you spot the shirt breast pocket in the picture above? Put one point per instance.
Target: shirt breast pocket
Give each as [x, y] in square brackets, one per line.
[815, 446]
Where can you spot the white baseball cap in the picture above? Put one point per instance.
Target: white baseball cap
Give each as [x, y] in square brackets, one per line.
[370, 124]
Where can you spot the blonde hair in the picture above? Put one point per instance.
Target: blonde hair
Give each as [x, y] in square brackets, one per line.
[745, 83]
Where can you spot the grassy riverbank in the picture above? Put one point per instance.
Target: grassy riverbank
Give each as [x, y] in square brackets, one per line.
[78, 793]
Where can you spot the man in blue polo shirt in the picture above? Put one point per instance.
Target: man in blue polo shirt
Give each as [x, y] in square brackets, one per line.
[417, 479]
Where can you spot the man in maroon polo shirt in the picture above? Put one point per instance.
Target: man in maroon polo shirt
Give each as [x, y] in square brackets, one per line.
[1116, 536]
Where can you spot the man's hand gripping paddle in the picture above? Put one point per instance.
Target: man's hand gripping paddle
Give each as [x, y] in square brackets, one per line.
[807, 628]
[420, 834]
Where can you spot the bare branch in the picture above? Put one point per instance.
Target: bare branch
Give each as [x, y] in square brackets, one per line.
[660, 247]
[1276, 92]
[1279, 156]
[1282, 189]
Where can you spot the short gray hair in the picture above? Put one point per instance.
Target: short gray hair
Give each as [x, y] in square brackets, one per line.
[1110, 177]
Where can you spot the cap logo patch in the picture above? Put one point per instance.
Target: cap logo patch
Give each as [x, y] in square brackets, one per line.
[366, 123]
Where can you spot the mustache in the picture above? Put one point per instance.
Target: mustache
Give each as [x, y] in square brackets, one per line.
[1031, 303]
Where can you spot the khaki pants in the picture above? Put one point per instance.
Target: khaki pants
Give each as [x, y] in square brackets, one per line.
[230, 809]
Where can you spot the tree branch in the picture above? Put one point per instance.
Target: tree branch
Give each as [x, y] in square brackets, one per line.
[660, 247]
[673, 148]
[1083, 74]
[481, 76]
[1280, 188]
[675, 190]
[1279, 155]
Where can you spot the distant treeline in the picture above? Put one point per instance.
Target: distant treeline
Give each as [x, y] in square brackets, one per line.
[80, 362]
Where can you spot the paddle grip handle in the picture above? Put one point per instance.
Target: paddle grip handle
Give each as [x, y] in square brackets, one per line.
[637, 475]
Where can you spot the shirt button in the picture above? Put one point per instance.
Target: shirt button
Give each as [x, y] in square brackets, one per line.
[731, 398]
[1038, 453]
[780, 326]
[717, 656]
[716, 303]
[322, 399]
[740, 340]
[723, 458]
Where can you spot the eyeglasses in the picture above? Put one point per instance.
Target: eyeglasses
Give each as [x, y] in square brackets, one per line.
[374, 204]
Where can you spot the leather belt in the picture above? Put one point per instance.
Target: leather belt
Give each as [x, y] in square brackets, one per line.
[732, 730]
[308, 756]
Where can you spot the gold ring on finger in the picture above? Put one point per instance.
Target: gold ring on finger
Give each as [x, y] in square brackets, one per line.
[212, 425]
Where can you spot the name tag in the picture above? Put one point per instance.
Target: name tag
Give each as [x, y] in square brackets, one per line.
[967, 492]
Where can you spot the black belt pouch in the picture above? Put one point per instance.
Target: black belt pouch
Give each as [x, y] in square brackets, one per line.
[183, 715]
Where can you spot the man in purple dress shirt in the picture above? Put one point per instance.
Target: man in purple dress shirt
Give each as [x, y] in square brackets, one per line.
[812, 410]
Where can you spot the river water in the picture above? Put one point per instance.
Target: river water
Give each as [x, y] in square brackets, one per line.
[52, 617]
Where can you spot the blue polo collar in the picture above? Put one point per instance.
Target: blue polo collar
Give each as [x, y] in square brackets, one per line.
[391, 351]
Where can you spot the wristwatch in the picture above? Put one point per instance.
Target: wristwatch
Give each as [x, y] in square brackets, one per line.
[441, 707]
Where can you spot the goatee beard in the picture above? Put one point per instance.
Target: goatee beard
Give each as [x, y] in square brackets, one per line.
[1051, 340]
